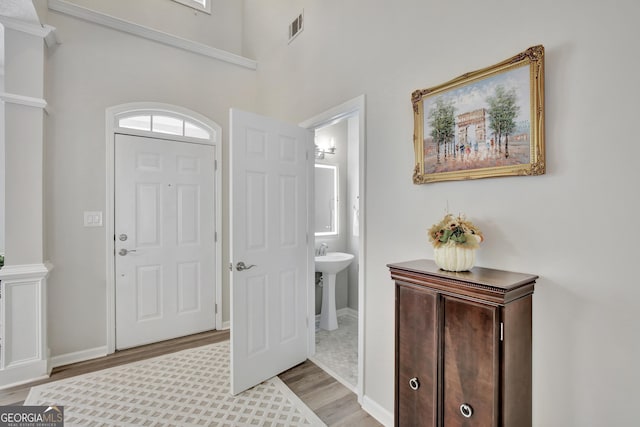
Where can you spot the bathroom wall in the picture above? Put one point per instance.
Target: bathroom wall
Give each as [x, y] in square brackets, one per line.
[347, 161]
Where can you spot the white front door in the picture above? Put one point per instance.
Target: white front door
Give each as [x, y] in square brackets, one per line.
[164, 239]
[272, 267]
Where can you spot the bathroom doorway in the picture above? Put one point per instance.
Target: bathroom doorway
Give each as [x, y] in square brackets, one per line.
[340, 227]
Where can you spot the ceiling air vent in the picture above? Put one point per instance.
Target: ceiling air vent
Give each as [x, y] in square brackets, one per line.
[296, 27]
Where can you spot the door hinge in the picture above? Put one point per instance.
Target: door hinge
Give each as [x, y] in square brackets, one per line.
[230, 266]
[215, 236]
[215, 165]
[216, 308]
[306, 155]
[501, 331]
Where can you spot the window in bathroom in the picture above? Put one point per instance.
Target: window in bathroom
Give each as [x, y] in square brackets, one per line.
[326, 207]
[201, 5]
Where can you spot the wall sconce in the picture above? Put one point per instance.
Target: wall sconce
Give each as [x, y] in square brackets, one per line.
[324, 149]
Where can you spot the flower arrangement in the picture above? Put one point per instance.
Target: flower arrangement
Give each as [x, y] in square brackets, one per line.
[455, 231]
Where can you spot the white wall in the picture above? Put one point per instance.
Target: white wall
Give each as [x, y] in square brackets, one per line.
[92, 69]
[574, 226]
[221, 29]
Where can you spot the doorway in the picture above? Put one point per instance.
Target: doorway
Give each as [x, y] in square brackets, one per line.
[345, 121]
[189, 144]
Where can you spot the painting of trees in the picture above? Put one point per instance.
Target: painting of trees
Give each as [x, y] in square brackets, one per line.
[442, 122]
[502, 111]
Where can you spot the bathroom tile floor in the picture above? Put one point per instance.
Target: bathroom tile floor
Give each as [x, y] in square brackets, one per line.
[337, 351]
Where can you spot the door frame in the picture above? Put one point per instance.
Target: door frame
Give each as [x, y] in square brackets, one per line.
[111, 128]
[353, 107]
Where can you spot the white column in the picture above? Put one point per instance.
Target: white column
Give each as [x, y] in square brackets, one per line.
[23, 332]
[23, 324]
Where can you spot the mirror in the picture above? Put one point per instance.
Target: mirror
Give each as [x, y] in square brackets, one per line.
[326, 207]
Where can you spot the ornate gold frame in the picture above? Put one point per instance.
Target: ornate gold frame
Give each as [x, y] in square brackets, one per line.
[532, 58]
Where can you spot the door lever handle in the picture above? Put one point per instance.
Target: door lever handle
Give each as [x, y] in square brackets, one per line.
[123, 251]
[242, 266]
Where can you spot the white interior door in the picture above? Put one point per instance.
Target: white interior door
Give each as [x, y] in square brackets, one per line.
[164, 239]
[270, 254]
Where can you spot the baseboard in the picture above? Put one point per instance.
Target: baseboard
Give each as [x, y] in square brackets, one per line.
[376, 411]
[23, 373]
[347, 311]
[78, 356]
[225, 325]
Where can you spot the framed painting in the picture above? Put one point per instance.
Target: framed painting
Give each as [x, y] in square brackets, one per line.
[485, 123]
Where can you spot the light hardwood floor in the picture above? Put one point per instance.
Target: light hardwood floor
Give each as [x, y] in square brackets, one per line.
[331, 401]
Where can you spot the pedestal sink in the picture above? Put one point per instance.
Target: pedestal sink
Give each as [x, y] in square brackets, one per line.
[329, 265]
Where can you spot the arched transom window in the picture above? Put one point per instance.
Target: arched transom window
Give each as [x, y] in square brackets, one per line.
[162, 122]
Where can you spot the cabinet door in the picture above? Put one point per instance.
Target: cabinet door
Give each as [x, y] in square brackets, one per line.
[417, 356]
[470, 364]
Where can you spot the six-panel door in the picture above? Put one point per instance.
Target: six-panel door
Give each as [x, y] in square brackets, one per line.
[165, 243]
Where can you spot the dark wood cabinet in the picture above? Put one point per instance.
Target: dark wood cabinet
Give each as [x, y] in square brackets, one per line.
[463, 346]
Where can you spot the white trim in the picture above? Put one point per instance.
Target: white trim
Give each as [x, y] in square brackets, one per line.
[355, 106]
[110, 130]
[118, 24]
[33, 28]
[77, 356]
[18, 382]
[196, 5]
[51, 39]
[376, 411]
[23, 272]
[226, 325]
[27, 101]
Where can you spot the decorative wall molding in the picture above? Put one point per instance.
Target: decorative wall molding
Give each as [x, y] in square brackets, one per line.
[23, 318]
[28, 101]
[118, 24]
[32, 28]
[24, 272]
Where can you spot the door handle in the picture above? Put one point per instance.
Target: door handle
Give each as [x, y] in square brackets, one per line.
[242, 266]
[123, 251]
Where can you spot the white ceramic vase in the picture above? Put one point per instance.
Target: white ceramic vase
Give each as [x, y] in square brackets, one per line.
[454, 258]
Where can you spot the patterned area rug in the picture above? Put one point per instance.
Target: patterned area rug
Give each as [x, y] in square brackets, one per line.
[188, 388]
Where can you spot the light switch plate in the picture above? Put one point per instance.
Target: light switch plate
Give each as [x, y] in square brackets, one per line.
[93, 219]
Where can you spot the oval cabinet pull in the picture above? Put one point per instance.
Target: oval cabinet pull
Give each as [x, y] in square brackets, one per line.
[414, 383]
[466, 410]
